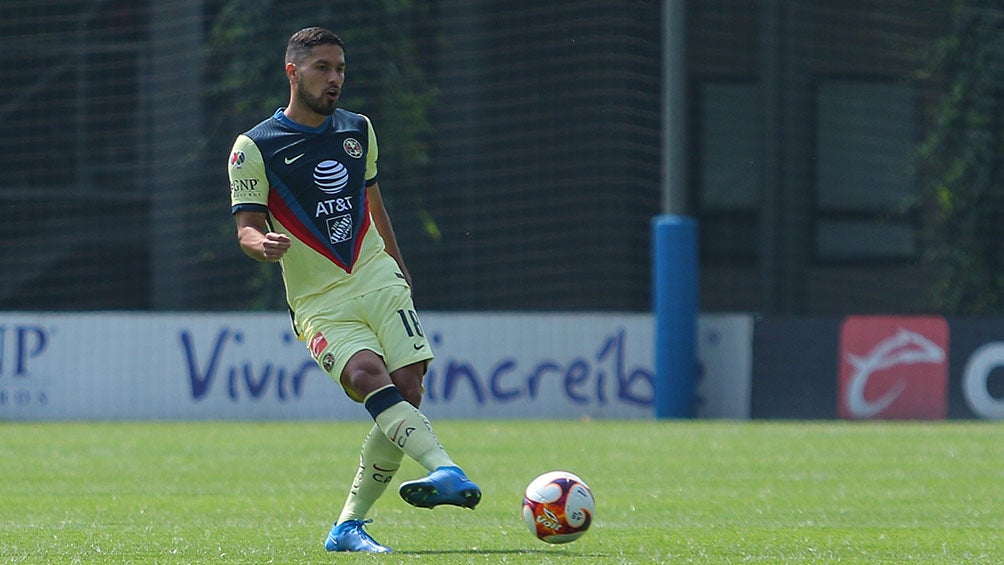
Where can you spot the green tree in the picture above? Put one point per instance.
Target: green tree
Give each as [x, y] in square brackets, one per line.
[961, 161]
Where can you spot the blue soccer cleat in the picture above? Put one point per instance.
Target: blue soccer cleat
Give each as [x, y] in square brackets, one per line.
[350, 536]
[445, 485]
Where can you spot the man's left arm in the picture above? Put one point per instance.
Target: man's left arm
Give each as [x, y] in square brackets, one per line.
[382, 221]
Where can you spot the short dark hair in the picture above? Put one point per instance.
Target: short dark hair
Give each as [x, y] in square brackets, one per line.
[301, 42]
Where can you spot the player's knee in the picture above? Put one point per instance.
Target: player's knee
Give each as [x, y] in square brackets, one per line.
[363, 376]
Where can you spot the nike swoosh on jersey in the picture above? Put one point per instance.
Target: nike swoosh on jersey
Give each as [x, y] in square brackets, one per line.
[290, 161]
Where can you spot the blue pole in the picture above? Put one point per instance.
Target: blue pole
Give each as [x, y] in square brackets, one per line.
[675, 296]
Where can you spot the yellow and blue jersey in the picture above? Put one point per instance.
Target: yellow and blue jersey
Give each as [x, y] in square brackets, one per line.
[311, 183]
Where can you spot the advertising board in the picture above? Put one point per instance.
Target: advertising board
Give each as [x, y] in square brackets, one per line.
[119, 365]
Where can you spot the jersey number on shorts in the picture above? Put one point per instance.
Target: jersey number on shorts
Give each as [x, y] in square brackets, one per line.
[410, 320]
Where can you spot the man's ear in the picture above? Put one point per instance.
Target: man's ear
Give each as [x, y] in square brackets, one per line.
[291, 72]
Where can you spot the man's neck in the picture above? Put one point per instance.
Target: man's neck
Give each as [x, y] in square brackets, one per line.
[304, 117]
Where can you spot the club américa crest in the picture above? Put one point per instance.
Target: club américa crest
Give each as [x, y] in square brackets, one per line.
[353, 148]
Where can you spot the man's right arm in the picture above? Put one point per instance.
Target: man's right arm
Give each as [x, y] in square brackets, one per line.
[249, 202]
[256, 240]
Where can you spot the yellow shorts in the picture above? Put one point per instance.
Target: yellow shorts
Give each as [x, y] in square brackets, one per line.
[383, 321]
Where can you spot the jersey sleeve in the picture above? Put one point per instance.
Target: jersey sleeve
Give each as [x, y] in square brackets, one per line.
[248, 182]
[371, 154]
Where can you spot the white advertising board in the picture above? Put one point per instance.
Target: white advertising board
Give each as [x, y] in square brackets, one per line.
[725, 356]
[196, 366]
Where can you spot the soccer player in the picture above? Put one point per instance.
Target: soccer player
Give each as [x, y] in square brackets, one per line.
[304, 193]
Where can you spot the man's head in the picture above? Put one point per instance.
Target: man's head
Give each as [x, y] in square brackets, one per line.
[303, 41]
[315, 67]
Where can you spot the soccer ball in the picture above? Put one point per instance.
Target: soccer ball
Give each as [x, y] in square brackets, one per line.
[558, 507]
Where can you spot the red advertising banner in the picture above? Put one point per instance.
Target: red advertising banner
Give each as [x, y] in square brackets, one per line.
[893, 367]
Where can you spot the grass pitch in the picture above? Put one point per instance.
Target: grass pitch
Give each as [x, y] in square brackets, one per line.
[699, 492]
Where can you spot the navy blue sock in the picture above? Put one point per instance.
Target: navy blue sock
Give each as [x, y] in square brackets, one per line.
[379, 400]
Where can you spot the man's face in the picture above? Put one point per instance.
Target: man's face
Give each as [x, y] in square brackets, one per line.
[319, 79]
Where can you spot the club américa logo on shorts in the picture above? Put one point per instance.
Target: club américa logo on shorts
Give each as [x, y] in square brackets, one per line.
[318, 344]
[893, 367]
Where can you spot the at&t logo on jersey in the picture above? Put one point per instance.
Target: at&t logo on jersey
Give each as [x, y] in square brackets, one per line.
[331, 177]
